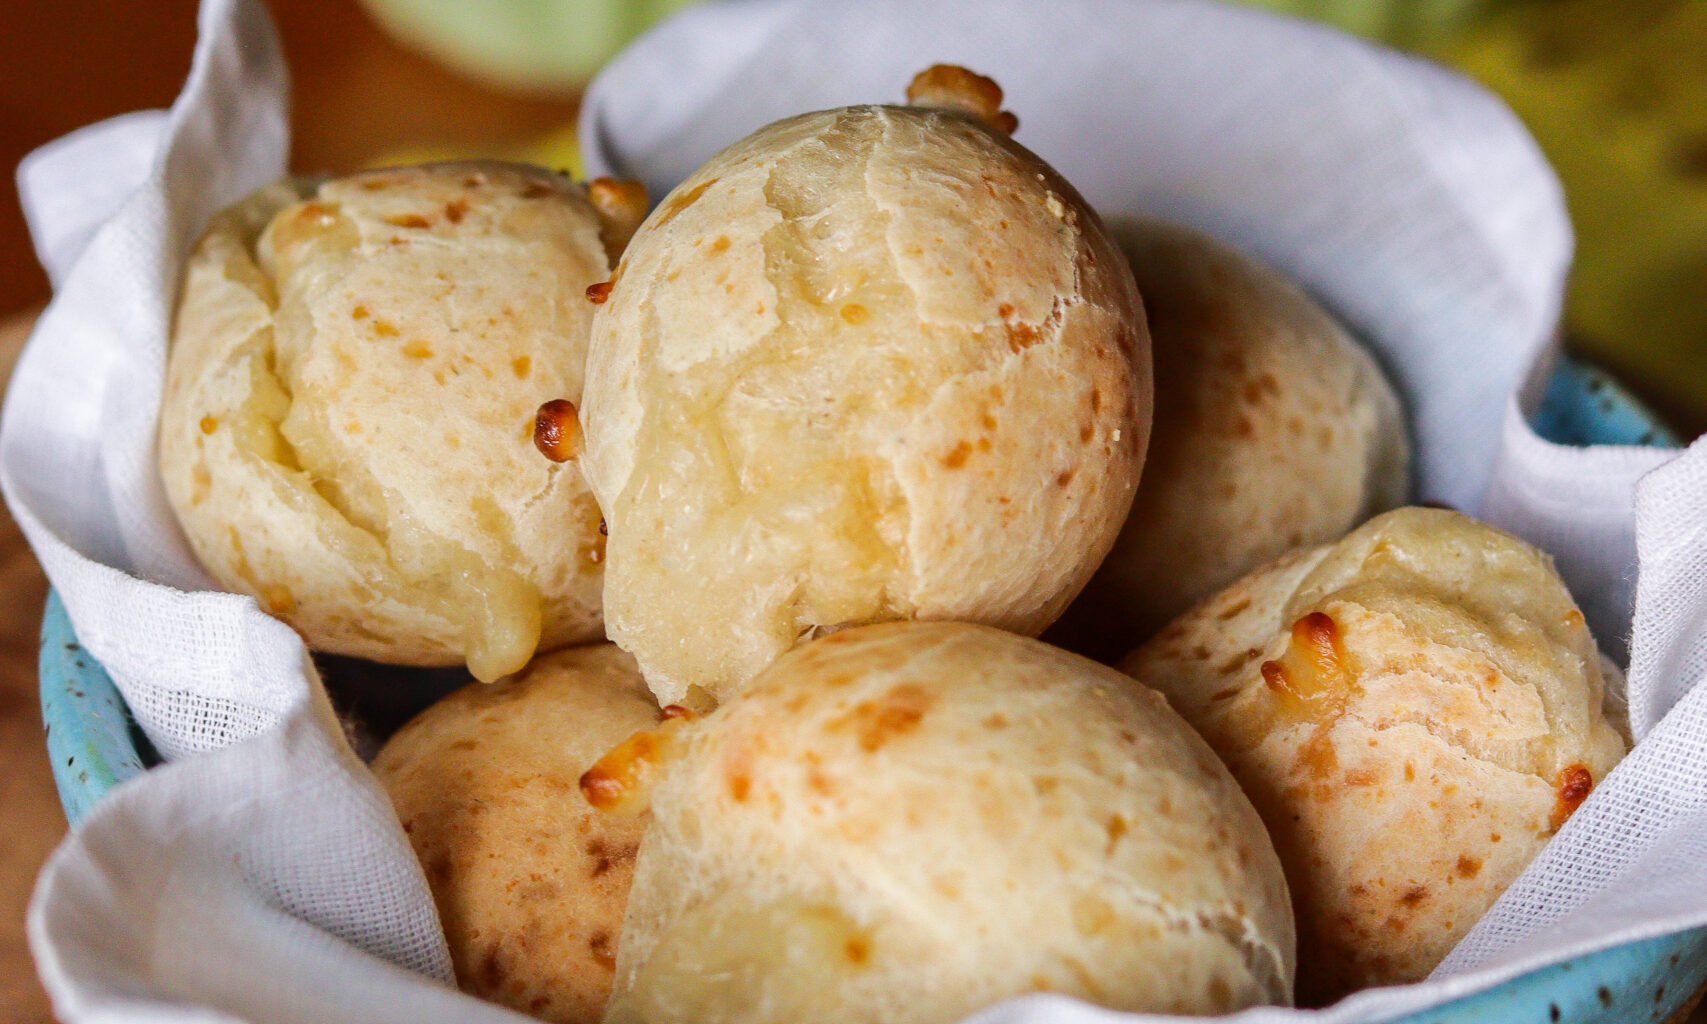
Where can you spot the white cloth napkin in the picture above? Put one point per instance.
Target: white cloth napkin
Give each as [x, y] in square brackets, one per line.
[261, 876]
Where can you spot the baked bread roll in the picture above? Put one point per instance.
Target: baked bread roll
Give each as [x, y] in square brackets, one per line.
[530, 882]
[1273, 429]
[909, 821]
[866, 364]
[347, 419]
[1414, 711]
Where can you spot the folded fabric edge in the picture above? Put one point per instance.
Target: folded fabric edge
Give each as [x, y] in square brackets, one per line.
[64, 204]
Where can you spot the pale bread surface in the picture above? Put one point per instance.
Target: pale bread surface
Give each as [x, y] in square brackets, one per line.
[867, 364]
[909, 821]
[1273, 429]
[1447, 694]
[530, 882]
[346, 431]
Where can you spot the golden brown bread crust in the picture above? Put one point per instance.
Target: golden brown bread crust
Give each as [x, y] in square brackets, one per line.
[1273, 429]
[529, 881]
[867, 364]
[346, 427]
[907, 822]
[1414, 711]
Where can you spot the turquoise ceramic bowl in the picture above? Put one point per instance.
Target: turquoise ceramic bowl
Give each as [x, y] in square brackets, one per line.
[95, 745]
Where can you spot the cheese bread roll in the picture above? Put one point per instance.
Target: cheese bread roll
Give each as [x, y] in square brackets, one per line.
[347, 424]
[866, 364]
[1414, 710]
[907, 822]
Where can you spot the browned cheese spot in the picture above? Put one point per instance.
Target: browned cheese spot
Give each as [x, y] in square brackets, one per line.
[677, 202]
[1313, 666]
[491, 974]
[1414, 896]
[1115, 828]
[278, 599]
[1468, 866]
[896, 713]
[557, 430]
[1021, 336]
[957, 88]
[603, 950]
[1574, 785]
[621, 206]
[620, 781]
[957, 457]
[858, 949]
[1005, 310]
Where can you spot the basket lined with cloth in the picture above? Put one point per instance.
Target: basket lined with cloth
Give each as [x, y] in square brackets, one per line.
[260, 873]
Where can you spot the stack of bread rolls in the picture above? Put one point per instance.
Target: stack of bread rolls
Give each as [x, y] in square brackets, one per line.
[863, 406]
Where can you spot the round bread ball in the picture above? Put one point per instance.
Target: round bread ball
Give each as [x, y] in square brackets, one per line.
[866, 364]
[1273, 429]
[1414, 711]
[530, 882]
[909, 821]
[346, 431]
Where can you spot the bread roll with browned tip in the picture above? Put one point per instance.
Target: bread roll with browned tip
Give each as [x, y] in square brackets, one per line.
[1273, 429]
[866, 364]
[346, 431]
[1414, 710]
[530, 882]
[904, 823]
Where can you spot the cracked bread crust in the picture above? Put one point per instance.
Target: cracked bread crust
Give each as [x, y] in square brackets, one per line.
[909, 821]
[868, 364]
[1414, 711]
[346, 427]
